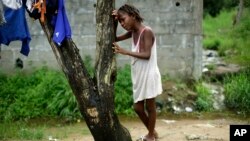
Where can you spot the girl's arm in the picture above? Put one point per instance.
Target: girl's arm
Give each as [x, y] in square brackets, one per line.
[123, 36]
[146, 43]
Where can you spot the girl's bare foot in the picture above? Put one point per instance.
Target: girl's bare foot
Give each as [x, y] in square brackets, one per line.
[156, 135]
[148, 138]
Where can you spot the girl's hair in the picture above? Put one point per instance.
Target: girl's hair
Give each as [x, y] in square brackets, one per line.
[132, 11]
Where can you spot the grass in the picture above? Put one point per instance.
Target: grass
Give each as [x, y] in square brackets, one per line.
[41, 129]
[217, 32]
[231, 42]
[237, 91]
[20, 130]
[46, 91]
[204, 101]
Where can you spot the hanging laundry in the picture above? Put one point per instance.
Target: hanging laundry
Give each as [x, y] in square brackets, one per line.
[13, 4]
[34, 8]
[51, 8]
[29, 4]
[62, 28]
[33, 12]
[16, 28]
[51, 11]
[41, 6]
[2, 19]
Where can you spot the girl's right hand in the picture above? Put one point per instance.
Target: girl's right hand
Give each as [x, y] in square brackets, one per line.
[118, 49]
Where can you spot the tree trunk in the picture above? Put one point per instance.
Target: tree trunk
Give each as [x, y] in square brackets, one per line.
[95, 96]
[239, 12]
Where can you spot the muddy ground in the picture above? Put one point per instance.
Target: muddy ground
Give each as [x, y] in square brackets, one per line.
[175, 129]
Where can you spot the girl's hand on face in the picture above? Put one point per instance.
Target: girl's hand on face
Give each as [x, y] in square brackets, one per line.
[115, 14]
[118, 49]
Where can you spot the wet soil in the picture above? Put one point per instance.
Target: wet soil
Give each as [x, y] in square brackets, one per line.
[196, 128]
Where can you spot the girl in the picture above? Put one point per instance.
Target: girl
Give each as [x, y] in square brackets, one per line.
[145, 74]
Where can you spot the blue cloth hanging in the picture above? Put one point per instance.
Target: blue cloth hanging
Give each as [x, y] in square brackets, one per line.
[16, 28]
[62, 27]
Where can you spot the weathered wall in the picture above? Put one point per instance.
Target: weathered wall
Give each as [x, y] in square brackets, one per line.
[177, 25]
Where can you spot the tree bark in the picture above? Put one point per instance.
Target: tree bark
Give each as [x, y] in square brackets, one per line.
[95, 96]
[239, 12]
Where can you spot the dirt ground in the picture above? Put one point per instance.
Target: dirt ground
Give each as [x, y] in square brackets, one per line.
[176, 129]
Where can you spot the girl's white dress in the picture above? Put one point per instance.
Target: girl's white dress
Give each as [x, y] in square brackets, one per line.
[145, 74]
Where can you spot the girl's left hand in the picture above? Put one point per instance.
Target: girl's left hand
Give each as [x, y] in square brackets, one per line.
[118, 49]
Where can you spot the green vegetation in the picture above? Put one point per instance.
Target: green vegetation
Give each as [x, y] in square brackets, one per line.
[216, 31]
[40, 94]
[204, 100]
[237, 91]
[41, 129]
[240, 36]
[46, 93]
[232, 42]
[21, 131]
[214, 7]
[123, 92]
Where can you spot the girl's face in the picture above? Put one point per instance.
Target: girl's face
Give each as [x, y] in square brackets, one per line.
[126, 21]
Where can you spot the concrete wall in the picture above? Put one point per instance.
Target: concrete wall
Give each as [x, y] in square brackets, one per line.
[177, 25]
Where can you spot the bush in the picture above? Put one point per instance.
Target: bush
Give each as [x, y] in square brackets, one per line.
[46, 93]
[204, 100]
[237, 91]
[40, 94]
[232, 42]
[213, 7]
[217, 32]
[229, 4]
[240, 35]
[242, 30]
[211, 44]
[123, 92]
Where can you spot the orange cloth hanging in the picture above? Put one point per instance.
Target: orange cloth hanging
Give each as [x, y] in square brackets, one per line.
[41, 6]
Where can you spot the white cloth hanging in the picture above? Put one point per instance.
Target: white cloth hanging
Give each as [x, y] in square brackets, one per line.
[2, 18]
[13, 4]
[29, 5]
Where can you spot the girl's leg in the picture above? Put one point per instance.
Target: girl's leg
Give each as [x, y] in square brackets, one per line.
[140, 111]
[147, 119]
[151, 109]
